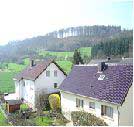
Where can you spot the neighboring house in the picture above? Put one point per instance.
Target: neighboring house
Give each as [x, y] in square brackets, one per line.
[45, 76]
[113, 60]
[103, 90]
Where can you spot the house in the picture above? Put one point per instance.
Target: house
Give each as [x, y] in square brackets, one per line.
[104, 90]
[111, 60]
[45, 76]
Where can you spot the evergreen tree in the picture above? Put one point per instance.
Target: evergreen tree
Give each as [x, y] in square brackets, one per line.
[77, 57]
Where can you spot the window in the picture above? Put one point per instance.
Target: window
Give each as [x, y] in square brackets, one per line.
[92, 105]
[106, 111]
[23, 83]
[79, 103]
[55, 73]
[101, 77]
[47, 73]
[55, 85]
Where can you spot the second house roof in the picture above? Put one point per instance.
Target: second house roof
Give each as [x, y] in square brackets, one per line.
[33, 72]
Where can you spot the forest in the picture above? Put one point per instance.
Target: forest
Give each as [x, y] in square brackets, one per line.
[87, 36]
[121, 46]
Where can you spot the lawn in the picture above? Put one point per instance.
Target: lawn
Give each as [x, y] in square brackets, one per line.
[3, 119]
[65, 65]
[43, 121]
[6, 82]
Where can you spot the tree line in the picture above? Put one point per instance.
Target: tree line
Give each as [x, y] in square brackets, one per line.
[85, 31]
[120, 47]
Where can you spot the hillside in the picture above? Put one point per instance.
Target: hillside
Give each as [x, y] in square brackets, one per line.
[86, 36]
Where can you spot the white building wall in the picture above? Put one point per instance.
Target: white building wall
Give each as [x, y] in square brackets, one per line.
[68, 104]
[29, 94]
[126, 110]
[26, 91]
[17, 89]
[46, 83]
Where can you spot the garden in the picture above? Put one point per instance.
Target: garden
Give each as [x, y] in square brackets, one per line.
[48, 115]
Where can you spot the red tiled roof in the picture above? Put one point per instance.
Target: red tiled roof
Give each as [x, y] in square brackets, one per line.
[33, 72]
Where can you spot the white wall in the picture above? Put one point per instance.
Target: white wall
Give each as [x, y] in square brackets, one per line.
[29, 93]
[68, 104]
[126, 110]
[26, 92]
[17, 89]
[46, 83]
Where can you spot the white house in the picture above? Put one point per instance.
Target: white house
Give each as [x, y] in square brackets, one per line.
[103, 90]
[45, 77]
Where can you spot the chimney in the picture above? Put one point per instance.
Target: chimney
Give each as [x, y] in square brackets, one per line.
[102, 66]
[32, 63]
[108, 58]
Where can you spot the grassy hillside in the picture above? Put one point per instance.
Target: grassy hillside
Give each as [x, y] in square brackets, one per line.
[15, 67]
[6, 82]
[65, 65]
[85, 51]
[57, 54]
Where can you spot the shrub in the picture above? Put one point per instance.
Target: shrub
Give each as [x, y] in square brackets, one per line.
[54, 101]
[86, 119]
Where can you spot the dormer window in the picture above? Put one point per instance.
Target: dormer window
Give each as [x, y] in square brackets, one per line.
[47, 73]
[101, 77]
[55, 73]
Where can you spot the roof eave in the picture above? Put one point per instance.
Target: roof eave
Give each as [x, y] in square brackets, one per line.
[91, 97]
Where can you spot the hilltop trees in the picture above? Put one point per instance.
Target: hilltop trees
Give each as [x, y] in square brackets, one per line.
[121, 46]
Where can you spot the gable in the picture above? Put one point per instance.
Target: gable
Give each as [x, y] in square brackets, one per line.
[33, 72]
[51, 67]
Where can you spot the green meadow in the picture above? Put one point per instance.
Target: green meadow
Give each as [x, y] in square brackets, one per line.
[57, 54]
[6, 82]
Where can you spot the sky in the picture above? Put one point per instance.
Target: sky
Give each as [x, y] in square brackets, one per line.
[20, 19]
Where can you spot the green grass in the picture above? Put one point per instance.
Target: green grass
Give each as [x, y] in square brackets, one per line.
[65, 65]
[6, 82]
[24, 106]
[3, 120]
[26, 61]
[85, 51]
[57, 54]
[15, 67]
[46, 121]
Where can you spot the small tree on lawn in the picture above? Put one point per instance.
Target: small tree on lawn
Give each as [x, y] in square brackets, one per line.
[54, 100]
[77, 57]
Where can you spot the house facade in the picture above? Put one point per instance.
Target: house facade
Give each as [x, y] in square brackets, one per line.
[44, 77]
[107, 94]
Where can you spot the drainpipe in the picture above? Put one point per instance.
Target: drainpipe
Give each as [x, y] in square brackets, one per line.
[118, 114]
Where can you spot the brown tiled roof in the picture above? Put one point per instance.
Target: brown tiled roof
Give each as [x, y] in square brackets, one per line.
[33, 72]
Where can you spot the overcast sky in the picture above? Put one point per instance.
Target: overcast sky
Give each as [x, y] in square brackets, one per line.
[20, 19]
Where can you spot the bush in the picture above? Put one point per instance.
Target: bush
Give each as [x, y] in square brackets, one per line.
[54, 101]
[86, 119]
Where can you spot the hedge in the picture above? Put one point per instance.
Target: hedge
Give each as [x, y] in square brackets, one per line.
[81, 118]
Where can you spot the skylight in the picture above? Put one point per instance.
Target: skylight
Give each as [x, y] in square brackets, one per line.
[101, 77]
